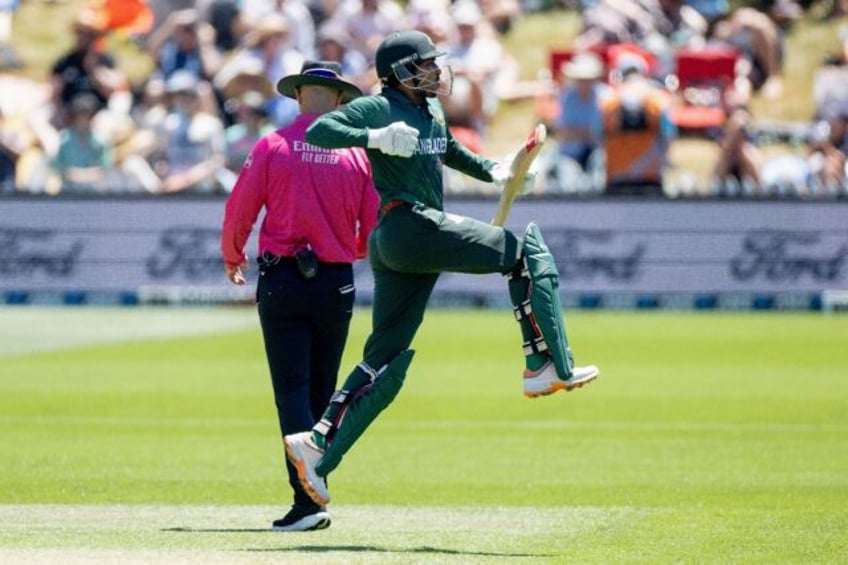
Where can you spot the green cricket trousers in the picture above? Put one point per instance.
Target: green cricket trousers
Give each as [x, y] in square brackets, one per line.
[409, 248]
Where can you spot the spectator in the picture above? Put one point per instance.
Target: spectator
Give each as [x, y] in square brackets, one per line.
[149, 109]
[658, 26]
[250, 77]
[10, 151]
[251, 125]
[184, 43]
[501, 14]
[264, 51]
[784, 174]
[760, 44]
[674, 20]
[606, 22]
[367, 22]
[740, 160]
[226, 19]
[321, 10]
[637, 130]
[674, 25]
[481, 69]
[87, 68]
[131, 170]
[839, 133]
[579, 127]
[9, 58]
[27, 139]
[301, 24]
[830, 86]
[163, 8]
[83, 157]
[635, 21]
[192, 154]
[465, 106]
[333, 46]
[743, 169]
[827, 161]
[784, 13]
[431, 17]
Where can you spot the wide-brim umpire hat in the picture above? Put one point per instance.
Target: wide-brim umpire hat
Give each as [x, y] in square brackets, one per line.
[319, 73]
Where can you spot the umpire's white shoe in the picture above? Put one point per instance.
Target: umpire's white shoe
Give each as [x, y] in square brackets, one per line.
[304, 455]
[546, 381]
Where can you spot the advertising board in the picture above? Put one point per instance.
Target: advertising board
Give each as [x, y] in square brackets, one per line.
[609, 252]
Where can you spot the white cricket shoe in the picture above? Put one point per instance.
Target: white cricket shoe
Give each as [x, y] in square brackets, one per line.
[303, 519]
[304, 455]
[546, 381]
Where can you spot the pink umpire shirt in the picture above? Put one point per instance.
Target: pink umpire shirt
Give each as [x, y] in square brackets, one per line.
[324, 197]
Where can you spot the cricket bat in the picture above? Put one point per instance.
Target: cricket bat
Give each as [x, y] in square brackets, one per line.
[520, 165]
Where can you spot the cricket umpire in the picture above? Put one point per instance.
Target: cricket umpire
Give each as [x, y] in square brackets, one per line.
[408, 141]
[320, 207]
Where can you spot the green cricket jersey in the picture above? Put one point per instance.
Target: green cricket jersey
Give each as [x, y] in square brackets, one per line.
[414, 179]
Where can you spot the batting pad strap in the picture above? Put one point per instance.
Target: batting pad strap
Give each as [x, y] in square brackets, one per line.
[369, 370]
[339, 402]
[324, 427]
[327, 426]
[523, 311]
[537, 345]
[523, 272]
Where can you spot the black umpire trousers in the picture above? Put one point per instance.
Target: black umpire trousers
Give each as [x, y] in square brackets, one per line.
[305, 326]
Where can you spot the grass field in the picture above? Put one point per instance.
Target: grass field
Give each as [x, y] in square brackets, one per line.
[148, 435]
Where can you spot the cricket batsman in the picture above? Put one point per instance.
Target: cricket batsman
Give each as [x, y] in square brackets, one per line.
[407, 139]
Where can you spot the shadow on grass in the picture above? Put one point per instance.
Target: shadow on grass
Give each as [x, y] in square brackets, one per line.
[350, 548]
[218, 530]
[376, 549]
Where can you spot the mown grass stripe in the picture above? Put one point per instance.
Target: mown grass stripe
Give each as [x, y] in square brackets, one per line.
[359, 534]
[478, 424]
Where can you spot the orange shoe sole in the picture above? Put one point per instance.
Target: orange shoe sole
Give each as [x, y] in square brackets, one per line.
[562, 385]
[300, 466]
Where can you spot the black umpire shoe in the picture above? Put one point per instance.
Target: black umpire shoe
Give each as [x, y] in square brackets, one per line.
[303, 519]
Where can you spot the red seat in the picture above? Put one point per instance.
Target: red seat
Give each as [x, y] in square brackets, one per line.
[702, 77]
[711, 64]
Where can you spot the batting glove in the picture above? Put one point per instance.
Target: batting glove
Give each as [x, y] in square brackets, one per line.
[501, 173]
[395, 139]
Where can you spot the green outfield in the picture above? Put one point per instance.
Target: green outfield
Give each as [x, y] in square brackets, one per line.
[148, 435]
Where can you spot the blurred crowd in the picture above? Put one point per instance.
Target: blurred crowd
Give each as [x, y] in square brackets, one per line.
[189, 125]
[614, 101]
[642, 74]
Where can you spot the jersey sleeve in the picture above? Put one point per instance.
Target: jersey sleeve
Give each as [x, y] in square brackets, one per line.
[244, 204]
[463, 159]
[348, 125]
